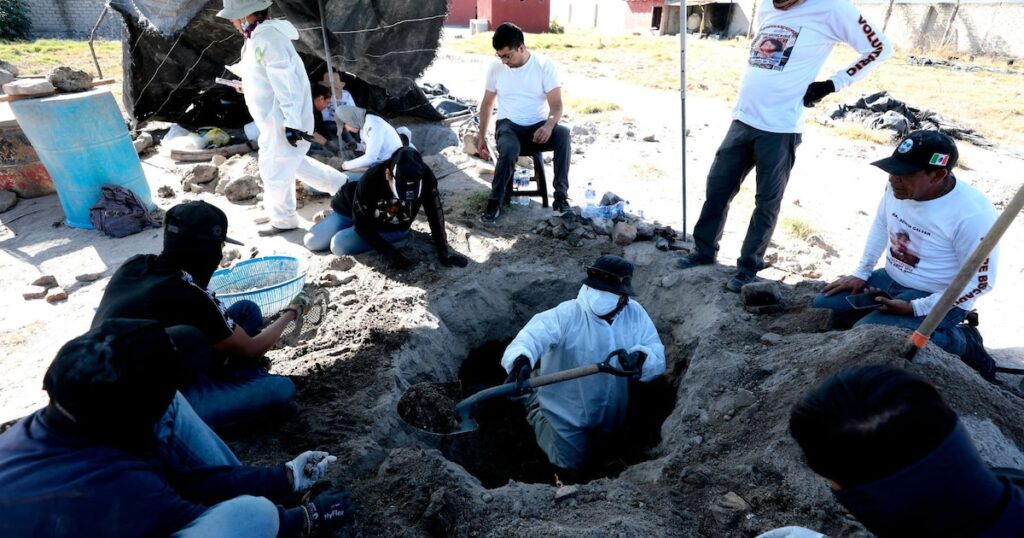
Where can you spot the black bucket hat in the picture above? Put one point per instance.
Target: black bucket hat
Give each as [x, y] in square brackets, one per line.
[612, 274]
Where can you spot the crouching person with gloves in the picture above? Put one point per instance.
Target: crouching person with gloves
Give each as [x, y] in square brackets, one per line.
[571, 418]
[88, 464]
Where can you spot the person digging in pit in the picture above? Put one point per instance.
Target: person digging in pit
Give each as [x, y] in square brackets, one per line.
[89, 464]
[379, 209]
[171, 288]
[928, 223]
[574, 418]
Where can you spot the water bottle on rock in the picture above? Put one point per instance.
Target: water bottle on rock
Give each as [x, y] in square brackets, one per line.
[590, 209]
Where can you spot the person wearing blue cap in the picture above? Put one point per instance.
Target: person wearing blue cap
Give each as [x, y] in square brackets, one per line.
[571, 418]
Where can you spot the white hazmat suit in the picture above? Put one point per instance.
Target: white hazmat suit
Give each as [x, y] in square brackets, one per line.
[278, 95]
[572, 335]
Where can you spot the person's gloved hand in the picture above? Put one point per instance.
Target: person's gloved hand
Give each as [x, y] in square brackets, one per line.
[520, 372]
[308, 467]
[293, 136]
[300, 304]
[330, 510]
[816, 91]
[397, 260]
[633, 362]
[453, 259]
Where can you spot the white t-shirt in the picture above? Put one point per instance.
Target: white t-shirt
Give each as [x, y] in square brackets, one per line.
[381, 141]
[344, 99]
[926, 243]
[787, 55]
[523, 91]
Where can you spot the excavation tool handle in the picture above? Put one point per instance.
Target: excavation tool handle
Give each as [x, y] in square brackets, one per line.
[955, 288]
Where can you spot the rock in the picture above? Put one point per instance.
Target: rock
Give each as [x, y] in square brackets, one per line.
[349, 301]
[28, 86]
[67, 79]
[560, 231]
[10, 68]
[90, 277]
[8, 199]
[610, 198]
[644, 230]
[347, 292]
[165, 192]
[345, 278]
[670, 280]
[333, 279]
[55, 295]
[202, 173]
[186, 185]
[46, 281]
[817, 241]
[242, 188]
[640, 254]
[566, 492]
[624, 233]
[602, 226]
[650, 138]
[143, 142]
[218, 160]
[6, 76]
[342, 263]
[261, 220]
[486, 497]
[34, 292]
[728, 508]
[229, 256]
[579, 130]
[771, 338]
[729, 403]
[760, 294]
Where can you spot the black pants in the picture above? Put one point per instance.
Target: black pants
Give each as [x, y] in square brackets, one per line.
[744, 148]
[514, 140]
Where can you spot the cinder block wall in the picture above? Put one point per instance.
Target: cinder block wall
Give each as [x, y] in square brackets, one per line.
[989, 28]
[72, 18]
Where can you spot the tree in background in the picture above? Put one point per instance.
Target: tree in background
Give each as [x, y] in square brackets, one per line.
[14, 21]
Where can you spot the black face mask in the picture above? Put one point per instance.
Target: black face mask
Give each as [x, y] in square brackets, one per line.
[196, 257]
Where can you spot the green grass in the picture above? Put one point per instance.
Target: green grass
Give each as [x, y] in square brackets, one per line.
[40, 56]
[797, 227]
[587, 105]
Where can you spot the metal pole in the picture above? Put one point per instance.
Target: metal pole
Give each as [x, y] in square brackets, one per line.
[92, 37]
[955, 288]
[327, 50]
[682, 100]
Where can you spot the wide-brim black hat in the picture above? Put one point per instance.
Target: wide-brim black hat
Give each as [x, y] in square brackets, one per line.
[612, 274]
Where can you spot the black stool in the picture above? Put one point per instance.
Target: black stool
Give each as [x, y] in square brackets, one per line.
[538, 177]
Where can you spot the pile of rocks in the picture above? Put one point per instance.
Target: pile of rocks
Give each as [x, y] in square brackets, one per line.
[47, 287]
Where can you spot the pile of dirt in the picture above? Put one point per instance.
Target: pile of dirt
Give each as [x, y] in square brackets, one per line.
[431, 406]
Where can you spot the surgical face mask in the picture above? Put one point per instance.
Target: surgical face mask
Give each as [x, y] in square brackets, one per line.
[600, 302]
[783, 5]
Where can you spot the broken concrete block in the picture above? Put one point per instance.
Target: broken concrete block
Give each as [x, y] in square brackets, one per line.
[29, 87]
[242, 188]
[55, 295]
[624, 233]
[760, 294]
[202, 173]
[34, 292]
[771, 338]
[143, 142]
[8, 199]
[6, 76]
[90, 277]
[46, 281]
[165, 192]
[67, 79]
[9, 67]
[566, 492]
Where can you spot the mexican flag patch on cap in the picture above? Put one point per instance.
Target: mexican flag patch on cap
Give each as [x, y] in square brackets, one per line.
[939, 159]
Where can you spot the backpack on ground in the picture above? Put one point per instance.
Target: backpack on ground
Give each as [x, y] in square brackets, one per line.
[120, 212]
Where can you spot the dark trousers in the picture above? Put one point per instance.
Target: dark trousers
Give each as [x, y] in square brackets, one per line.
[514, 140]
[743, 149]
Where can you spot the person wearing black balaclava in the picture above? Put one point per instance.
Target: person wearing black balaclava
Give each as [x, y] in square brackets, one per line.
[87, 464]
[171, 288]
[900, 460]
[379, 209]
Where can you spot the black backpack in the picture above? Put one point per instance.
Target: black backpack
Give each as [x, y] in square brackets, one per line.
[120, 212]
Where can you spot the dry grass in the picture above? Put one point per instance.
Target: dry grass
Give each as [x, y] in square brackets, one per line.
[644, 172]
[587, 105]
[797, 227]
[40, 56]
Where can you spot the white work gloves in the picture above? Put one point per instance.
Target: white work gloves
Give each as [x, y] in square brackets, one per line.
[791, 532]
[309, 467]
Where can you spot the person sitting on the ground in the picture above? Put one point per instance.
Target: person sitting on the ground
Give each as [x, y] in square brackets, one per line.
[571, 419]
[171, 288]
[379, 209]
[942, 220]
[321, 125]
[87, 463]
[529, 94]
[331, 100]
[378, 138]
[899, 460]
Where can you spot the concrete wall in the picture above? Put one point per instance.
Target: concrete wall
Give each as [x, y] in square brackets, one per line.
[979, 28]
[532, 16]
[461, 11]
[613, 16]
[72, 18]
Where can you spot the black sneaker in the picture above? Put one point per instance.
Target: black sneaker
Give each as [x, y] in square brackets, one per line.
[561, 205]
[693, 260]
[740, 279]
[490, 215]
[976, 356]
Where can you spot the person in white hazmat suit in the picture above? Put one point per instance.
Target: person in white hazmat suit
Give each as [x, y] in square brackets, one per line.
[571, 418]
[277, 91]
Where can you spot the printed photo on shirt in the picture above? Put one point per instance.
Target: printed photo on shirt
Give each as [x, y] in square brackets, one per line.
[899, 249]
[772, 47]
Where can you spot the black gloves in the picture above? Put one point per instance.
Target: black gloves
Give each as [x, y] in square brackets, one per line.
[452, 259]
[816, 91]
[520, 371]
[397, 260]
[330, 510]
[631, 361]
[294, 135]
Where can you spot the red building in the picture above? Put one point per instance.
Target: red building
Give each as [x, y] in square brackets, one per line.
[461, 11]
[531, 15]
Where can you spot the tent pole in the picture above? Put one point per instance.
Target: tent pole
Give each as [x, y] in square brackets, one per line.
[327, 50]
[682, 100]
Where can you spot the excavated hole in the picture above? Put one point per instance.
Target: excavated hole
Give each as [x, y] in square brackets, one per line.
[504, 447]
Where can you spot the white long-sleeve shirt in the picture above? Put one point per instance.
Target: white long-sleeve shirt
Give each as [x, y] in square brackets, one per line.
[788, 52]
[381, 141]
[926, 243]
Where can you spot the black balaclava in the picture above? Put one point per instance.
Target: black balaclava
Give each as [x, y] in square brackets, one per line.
[198, 257]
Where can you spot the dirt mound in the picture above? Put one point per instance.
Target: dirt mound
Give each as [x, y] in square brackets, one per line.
[431, 406]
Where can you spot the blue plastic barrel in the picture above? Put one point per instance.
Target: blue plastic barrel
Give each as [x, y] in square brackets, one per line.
[82, 140]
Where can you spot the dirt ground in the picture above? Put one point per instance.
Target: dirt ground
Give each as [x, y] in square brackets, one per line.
[724, 464]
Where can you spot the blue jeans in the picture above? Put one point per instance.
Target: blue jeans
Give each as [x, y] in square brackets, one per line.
[241, 516]
[247, 315]
[186, 441]
[339, 233]
[947, 335]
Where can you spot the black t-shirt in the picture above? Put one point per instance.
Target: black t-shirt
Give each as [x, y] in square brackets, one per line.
[146, 288]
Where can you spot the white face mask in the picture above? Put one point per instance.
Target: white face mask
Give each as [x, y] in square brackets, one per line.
[600, 302]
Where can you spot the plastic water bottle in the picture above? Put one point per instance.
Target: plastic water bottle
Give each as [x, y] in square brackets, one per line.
[590, 209]
[521, 180]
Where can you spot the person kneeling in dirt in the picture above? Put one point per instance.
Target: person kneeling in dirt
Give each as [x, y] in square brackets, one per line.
[378, 139]
[380, 208]
[898, 458]
[171, 288]
[88, 465]
[573, 418]
[928, 223]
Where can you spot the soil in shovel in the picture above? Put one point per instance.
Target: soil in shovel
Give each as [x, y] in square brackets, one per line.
[431, 406]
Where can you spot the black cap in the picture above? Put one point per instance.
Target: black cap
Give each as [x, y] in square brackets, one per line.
[921, 150]
[612, 274]
[198, 220]
[407, 169]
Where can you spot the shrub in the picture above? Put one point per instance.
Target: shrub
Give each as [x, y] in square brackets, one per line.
[555, 28]
[14, 22]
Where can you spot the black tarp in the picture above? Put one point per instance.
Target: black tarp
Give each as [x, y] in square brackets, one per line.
[173, 50]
